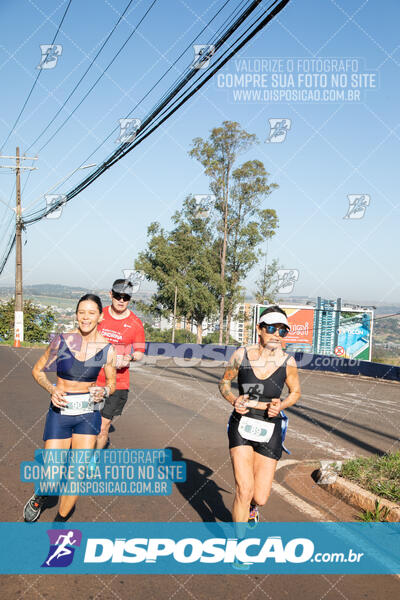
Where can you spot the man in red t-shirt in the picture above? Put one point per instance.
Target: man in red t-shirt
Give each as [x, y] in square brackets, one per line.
[122, 328]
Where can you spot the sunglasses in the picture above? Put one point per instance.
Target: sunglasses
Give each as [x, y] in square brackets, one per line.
[282, 331]
[123, 297]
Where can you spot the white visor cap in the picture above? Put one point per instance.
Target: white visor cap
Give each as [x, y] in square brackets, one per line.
[273, 318]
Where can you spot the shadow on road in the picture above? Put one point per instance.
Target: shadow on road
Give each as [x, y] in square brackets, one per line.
[353, 423]
[194, 372]
[202, 493]
[336, 432]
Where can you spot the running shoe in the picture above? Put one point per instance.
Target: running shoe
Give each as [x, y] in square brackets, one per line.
[254, 516]
[33, 508]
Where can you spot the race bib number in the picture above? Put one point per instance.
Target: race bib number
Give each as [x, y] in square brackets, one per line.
[80, 404]
[255, 430]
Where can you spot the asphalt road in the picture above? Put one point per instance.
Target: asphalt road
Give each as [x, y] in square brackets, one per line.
[171, 406]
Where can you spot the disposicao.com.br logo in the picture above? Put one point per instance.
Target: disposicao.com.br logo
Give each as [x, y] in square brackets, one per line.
[201, 548]
[212, 550]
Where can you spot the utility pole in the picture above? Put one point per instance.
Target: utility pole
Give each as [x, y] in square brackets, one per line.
[19, 312]
[19, 309]
[174, 319]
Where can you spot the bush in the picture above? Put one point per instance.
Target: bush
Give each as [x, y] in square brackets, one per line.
[37, 322]
[182, 336]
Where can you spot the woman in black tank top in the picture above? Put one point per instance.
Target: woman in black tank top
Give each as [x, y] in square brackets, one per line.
[255, 426]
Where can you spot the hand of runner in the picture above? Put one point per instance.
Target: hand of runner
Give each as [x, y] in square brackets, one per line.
[240, 404]
[58, 398]
[96, 393]
[274, 407]
[122, 361]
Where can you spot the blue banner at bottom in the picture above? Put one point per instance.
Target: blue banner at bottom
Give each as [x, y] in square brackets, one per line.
[195, 548]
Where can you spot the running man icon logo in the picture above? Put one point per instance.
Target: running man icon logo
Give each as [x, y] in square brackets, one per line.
[135, 277]
[203, 204]
[62, 547]
[278, 129]
[54, 200]
[50, 54]
[254, 390]
[128, 129]
[286, 280]
[357, 206]
[202, 55]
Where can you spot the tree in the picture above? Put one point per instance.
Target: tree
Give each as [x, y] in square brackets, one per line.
[38, 323]
[218, 155]
[184, 257]
[248, 226]
[268, 284]
[242, 225]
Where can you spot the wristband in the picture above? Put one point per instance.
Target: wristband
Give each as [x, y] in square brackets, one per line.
[106, 391]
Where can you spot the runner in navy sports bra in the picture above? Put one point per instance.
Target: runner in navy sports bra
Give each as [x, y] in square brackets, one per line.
[255, 426]
[74, 420]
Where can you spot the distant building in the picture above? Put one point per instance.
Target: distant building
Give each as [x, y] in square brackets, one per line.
[327, 327]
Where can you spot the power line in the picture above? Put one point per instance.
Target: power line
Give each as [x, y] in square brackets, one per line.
[7, 253]
[35, 82]
[125, 148]
[168, 102]
[96, 82]
[83, 76]
[190, 45]
[121, 152]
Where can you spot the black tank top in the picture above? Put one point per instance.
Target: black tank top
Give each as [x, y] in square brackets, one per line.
[262, 390]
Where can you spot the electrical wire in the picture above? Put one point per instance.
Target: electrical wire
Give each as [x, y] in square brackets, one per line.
[83, 76]
[8, 252]
[97, 80]
[190, 45]
[36, 80]
[125, 148]
[166, 108]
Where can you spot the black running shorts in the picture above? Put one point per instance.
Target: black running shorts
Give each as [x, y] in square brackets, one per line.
[271, 449]
[114, 404]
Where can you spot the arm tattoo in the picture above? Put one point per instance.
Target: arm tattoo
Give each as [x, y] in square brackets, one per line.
[225, 384]
[225, 389]
[42, 380]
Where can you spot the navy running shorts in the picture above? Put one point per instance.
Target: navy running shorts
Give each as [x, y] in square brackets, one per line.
[61, 427]
[271, 449]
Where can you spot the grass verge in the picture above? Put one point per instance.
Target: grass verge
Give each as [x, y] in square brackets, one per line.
[377, 474]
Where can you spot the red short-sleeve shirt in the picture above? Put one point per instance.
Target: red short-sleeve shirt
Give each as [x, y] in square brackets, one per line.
[127, 335]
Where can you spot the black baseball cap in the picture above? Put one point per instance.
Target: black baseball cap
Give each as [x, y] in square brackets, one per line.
[122, 286]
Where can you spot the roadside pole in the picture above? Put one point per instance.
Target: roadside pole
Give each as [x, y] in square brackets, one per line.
[19, 307]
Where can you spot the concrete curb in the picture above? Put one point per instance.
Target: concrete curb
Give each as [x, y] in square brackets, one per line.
[353, 494]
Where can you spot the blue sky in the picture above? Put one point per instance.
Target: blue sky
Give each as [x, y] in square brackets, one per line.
[332, 149]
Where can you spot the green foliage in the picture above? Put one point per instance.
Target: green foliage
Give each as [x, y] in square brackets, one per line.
[267, 284]
[184, 257]
[378, 474]
[219, 152]
[379, 514]
[206, 257]
[182, 336]
[37, 323]
[212, 338]
[241, 224]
